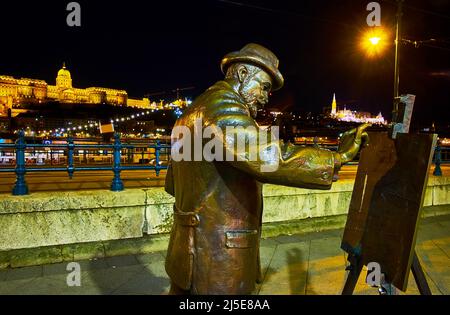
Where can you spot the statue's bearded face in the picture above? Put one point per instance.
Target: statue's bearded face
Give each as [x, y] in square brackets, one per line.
[255, 89]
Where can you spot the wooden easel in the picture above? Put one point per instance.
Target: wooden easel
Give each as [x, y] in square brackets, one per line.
[356, 265]
[386, 203]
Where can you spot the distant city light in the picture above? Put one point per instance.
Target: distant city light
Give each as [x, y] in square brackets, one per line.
[355, 116]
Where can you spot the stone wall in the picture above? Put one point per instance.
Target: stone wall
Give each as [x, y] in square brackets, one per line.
[59, 218]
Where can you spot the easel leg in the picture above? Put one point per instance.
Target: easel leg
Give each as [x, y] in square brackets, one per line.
[419, 276]
[352, 278]
[387, 289]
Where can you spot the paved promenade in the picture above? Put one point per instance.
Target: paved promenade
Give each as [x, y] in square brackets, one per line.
[297, 264]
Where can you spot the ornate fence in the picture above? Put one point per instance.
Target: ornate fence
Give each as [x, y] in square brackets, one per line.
[21, 168]
[442, 154]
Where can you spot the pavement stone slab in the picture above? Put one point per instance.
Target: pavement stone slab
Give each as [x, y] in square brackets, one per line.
[14, 286]
[268, 242]
[325, 247]
[443, 244]
[326, 275]
[145, 282]
[431, 231]
[436, 265]
[119, 261]
[112, 278]
[151, 258]
[57, 285]
[286, 273]
[92, 264]
[3, 274]
[24, 273]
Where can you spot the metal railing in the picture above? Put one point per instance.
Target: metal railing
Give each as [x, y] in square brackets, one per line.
[20, 169]
[442, 154]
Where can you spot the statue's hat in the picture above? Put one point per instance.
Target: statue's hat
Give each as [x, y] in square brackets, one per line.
[259, 56]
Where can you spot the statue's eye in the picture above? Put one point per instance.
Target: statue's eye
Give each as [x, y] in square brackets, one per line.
[266, 87]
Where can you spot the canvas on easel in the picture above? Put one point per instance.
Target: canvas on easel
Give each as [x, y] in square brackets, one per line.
[385, 207]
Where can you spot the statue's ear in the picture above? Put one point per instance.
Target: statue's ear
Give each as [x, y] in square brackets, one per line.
[242, 72]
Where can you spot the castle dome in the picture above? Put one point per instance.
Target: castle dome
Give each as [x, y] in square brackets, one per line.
[63, 72]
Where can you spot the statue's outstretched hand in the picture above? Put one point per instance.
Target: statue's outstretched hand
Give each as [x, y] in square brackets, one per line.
[351, 141]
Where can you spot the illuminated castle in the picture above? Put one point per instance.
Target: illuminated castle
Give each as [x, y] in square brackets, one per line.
[16, 91]
[355, 116]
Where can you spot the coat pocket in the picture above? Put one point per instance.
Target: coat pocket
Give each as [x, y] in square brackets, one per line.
[241, 239]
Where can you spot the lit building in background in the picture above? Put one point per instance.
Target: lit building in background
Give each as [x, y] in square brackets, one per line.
[355, 116]
[333, 105]
[16, 91]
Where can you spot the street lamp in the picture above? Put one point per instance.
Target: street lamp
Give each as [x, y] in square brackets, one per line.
[397, 57]
[374, 42]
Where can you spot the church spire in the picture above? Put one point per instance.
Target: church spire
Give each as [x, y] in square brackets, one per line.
[333, 105]
[64, 65]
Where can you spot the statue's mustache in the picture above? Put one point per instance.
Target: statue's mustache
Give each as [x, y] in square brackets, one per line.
[253, 100]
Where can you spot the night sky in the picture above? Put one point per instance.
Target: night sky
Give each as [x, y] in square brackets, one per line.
[157, 46]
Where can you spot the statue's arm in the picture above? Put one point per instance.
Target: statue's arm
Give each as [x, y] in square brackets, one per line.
[276, 162]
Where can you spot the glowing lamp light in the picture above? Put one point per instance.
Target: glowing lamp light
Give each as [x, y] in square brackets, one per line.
[374, 42]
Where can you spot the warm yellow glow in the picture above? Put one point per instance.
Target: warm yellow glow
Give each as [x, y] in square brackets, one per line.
[374, 42]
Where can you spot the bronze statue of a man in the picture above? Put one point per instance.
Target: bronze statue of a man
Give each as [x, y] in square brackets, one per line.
[214, 242]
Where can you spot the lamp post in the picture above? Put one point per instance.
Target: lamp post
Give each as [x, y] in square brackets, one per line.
[397, 55]
[374, 42]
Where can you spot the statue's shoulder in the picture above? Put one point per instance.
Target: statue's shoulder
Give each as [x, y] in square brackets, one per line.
[220, 99]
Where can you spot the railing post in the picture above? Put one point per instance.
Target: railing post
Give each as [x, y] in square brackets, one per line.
[20, 187]
[130, 155]
[437, 161]
[157, 149]
[70, 148]
[117, 184]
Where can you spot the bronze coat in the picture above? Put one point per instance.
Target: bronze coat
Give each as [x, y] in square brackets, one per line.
[214, 242]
